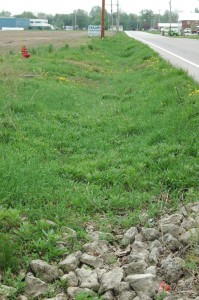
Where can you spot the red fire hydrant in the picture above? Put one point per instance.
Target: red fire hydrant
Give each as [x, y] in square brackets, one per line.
[24, 52]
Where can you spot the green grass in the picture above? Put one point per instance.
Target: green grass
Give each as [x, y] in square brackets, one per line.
[106, 129]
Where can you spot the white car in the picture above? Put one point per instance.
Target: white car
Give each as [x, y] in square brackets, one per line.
[187, 30]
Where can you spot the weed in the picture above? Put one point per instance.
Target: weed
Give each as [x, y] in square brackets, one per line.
[50, 48]
[161, 296]
[17, 282]
[33, 51]
[112, 259]
[86, 296]
[8, 258]
[90, 47]
[9, 218]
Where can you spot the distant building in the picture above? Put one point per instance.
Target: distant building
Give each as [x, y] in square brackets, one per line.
[167, 25]
[188, 20]
[39, 24]
[115, 28]
[68, 27]
[14, 23]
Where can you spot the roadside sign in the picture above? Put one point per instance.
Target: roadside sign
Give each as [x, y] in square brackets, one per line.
[94, 30]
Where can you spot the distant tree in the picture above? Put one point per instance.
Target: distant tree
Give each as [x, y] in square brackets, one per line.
[82, 18]
[4, 13]
[61, 20]
[196, 10]
[165, 18]
[27, 15]
[95, 15]
[50, 19]
[129, 22]
[146, 19]
[41, 15]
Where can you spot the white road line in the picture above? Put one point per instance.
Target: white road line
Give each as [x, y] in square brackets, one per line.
[177, 56]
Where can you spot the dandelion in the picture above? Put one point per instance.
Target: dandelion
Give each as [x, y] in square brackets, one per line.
[194, 93]
[63, 79]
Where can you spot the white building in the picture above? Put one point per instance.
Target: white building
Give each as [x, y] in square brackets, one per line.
[39, 24]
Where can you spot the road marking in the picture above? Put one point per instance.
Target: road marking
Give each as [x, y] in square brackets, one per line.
[171, 53]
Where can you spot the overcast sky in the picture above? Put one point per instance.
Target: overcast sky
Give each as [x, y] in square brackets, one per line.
[68, 6]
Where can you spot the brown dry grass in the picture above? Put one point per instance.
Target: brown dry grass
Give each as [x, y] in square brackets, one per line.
[13, 40]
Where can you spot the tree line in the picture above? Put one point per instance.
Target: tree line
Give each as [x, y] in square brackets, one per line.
[81, 19]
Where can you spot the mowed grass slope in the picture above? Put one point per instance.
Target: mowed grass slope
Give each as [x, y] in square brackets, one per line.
[106, 129]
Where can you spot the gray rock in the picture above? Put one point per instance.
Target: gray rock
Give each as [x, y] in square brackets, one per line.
[108, 296]
[154, 256]
[129, 236]
[99, 235]
[175, 219]
[122, 287]
[156, 244]
[188, 224]
[70, 279]
[140, 249]
[7, 291]
[111, 280]
[135, 268]
[148, 284]
[96, 248]
[68, 232]
[195, 208]
[88, 279]
[143, 296]
[183, 211]
[91, 260]
[71, 262]
[43, 270]
[74, 291]
[21, 297]
[151, 270]
[192, 233]
[60, 296]
[172, 229]
[100, 272]
[35, 287]
[128, 295]
[172, 269]
[135, 258]
[150, 234]
[196, 222]
[50, 223]
[171, 242]
[187, 287]
[139, 237]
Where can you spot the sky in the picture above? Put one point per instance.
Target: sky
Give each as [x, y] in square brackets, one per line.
[68, 6]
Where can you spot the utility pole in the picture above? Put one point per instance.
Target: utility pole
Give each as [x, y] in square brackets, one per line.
[170, 14]
[118, 17]
[75, 19]
[112, 16]
[103, 19]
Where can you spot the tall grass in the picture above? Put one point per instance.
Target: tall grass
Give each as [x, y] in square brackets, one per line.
[104, 129]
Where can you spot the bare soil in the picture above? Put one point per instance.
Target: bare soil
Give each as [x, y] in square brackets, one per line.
[14, 40]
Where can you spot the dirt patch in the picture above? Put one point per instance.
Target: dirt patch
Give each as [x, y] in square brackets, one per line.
[13, 40]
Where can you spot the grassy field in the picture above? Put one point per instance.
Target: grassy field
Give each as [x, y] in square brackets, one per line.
[100, 132]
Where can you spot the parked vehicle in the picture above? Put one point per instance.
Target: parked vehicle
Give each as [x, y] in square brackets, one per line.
[187, 30]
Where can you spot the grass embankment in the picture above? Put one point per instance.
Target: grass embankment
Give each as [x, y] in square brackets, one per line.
[107, 130]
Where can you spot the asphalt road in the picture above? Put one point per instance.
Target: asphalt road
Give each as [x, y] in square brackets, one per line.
[182, 53]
